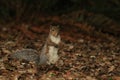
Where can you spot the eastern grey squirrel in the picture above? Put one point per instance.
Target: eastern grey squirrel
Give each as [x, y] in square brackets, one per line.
[49, 52]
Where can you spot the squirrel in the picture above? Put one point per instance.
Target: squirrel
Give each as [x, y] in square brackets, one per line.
[49, 51]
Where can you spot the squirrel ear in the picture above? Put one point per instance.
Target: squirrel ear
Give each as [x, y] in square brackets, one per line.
[58, 26]
[50, 26]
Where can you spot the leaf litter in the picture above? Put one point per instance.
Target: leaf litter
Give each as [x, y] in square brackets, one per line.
[86, 57]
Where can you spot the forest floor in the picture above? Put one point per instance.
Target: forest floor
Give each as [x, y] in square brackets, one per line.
[92, 55]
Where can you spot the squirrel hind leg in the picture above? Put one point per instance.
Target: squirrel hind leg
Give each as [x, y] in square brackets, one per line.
[43, 59]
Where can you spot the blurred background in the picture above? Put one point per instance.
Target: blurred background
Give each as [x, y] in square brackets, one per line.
[25, 10]
[102, 15]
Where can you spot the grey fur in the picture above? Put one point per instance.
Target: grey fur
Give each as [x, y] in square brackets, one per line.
[26, 54]
[46, 56]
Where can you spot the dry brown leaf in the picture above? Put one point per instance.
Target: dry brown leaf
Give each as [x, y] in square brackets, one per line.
[116, 77]
[111, 68]
[26, 32]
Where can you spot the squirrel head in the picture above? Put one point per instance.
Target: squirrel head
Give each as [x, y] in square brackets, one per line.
[54, 30]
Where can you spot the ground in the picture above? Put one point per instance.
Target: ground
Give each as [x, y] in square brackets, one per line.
[89, 54]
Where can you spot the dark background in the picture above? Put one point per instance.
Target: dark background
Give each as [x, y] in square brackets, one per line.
[23, 9]
[102, 14]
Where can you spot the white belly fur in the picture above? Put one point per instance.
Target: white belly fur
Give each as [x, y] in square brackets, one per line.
[53, 55]
[53, 51]
[55, 39]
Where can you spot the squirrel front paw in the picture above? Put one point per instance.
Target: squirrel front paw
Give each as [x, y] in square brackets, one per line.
[56, 46]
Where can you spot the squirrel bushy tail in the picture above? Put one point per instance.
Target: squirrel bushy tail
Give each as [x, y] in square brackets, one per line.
[49, 52]
[26, 54]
